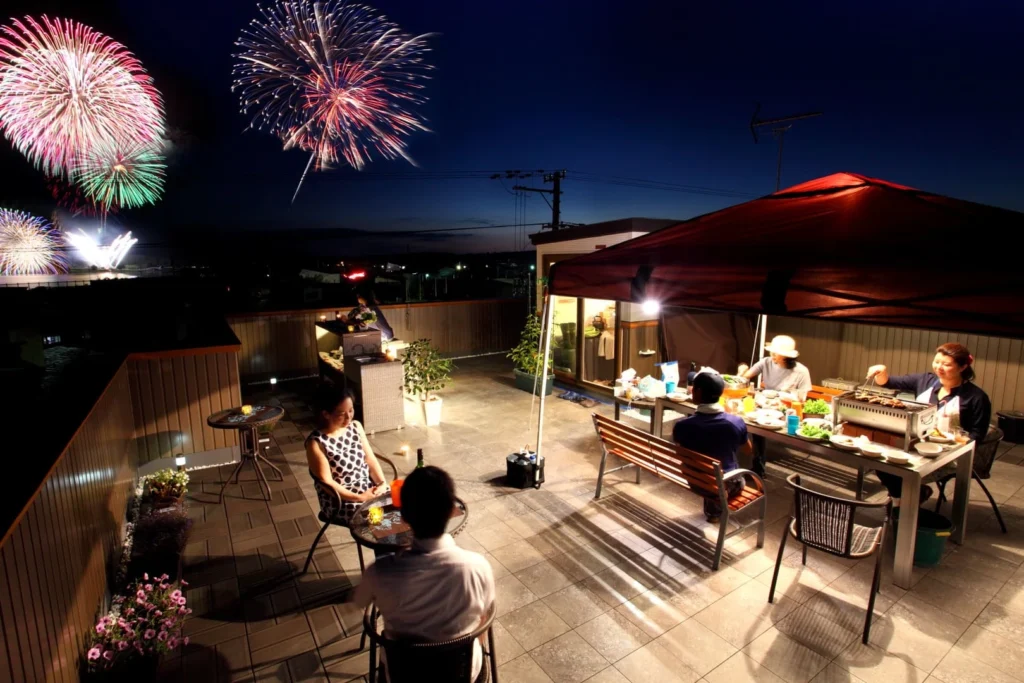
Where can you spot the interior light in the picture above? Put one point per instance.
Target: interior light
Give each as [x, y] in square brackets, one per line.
[179, 461]
[651, 307]
[273, 380]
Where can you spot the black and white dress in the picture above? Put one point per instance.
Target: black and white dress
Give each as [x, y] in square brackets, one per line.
[347, 461]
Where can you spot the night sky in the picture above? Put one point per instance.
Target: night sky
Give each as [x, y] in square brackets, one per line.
[925, 94]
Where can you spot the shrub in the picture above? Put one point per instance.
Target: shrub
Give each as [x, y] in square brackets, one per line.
[425, 370]
[166, 483]
[525, 354]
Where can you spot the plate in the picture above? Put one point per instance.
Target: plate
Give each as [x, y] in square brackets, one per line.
[897, 458]
[928, 450]
[872, 450]
[946, 438]
[843, 442]
[769, 423]
[769, 414]
[808, 438]
[678, 397]
[817, 422]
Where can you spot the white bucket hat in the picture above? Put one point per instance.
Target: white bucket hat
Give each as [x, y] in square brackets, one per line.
[783, 346]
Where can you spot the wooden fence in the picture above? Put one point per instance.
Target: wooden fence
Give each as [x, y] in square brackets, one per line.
[54, 563]
[282, 344]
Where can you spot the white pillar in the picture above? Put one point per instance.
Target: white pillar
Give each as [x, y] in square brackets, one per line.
[549, 312]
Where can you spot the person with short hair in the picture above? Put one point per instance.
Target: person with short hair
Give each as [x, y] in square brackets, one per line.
[713, 432]
[435, 591]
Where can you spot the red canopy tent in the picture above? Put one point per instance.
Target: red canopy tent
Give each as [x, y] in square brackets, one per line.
[844, 247]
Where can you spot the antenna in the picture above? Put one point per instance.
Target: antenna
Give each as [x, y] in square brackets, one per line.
[779, 131]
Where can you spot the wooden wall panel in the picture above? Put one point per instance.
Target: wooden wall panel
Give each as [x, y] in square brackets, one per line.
[816, 340]
[54, 563]
[283, 344]
[174, 396]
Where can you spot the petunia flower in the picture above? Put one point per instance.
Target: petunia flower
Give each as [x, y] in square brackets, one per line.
[94, 654]
[148, 635]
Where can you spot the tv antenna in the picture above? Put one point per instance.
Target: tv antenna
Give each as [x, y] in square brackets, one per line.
[779, 127]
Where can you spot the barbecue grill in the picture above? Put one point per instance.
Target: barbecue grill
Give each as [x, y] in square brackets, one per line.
[913, 420]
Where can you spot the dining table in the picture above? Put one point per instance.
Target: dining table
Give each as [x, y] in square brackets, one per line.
[391, 533]
[248, 420]
[912, 474]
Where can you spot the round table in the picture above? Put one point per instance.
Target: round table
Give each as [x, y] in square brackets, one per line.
[232, 418]
[363, 532]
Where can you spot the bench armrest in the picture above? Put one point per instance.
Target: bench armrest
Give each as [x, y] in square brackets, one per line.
[732, 474]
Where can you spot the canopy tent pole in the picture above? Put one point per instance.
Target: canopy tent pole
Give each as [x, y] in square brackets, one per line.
[549, 311]
[764, 328]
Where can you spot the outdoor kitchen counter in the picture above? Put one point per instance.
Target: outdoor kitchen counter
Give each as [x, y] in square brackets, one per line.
[912, 475]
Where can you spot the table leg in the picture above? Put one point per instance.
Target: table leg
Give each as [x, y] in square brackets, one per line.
[962, 494]
[261, 478]
[906, 537]
[657, 417]
[233, 475]
[859, 492]
[617, 411]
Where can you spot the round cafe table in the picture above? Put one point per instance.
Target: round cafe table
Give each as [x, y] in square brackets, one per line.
[393, 534]
[248, 439]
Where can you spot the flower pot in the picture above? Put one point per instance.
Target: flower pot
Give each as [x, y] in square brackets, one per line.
[525, 381]
[140, 668]
[431, 411]
[162, 502]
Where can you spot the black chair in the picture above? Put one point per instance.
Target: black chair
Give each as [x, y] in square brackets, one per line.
[827, 523]
[984, 455]
[450, 661]
[321, 486]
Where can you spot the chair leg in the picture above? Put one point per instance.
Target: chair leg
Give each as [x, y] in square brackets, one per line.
[760, 523]
[362, 564]
[494, 655]
[803, 557]
[309, 558]
[600, 469]
[859, 491]
[638, 474]
[373, 657]
[875, 581]
[992, 501]
[723, 525]
[778, 563]
[941, 498]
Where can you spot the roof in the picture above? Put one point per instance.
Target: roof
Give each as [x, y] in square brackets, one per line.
[845, 247]
[616, 227]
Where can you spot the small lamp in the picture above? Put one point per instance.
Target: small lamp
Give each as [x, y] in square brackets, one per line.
[179, 462]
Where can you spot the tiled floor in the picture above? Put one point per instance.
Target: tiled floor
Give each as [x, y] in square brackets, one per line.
[593, 590]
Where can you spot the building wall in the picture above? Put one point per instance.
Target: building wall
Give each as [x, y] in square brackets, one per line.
[173, 394]
[283, 344]
[54, 563]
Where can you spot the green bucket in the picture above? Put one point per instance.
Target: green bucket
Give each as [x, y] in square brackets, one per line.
[932, 532]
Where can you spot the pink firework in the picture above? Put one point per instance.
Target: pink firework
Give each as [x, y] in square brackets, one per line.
[66, 88]
[338, 81]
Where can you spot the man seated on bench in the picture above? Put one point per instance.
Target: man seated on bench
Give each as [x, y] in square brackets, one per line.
[714, 433]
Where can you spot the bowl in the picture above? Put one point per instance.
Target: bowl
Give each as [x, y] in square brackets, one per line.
[872, 450]
[844, 442]
[897, 458]
[929, 450]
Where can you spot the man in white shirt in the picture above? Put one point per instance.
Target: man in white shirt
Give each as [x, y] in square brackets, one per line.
[435, 591]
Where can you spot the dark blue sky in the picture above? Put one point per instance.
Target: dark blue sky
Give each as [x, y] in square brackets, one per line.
[925, 94]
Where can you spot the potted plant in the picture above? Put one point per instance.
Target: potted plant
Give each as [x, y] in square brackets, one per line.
[166, 487]
[527, 359]
[158, 540]
[426, 372]
[144, 624]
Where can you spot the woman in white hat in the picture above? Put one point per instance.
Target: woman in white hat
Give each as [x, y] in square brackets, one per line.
[780, 370]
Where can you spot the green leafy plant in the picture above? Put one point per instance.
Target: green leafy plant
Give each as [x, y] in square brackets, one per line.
[525, 355]
[425, 370]
[166, 483]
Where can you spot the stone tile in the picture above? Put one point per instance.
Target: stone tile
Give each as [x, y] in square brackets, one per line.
[663, 607]
[618, 583]
[972, 561]
[653, 663]
[511, 594]
[741, 669]
[994, 650]
[609, 675]
[496, 536]
[500, 571]
[799, 582]
[533, 625]
[613, 636]
[518, 556]
[849, 610]
[523, 670]
[696, 646]
[506, 648]
[569, 659]
[816, 632]
[872, 664]
[544, 578]
[917, 632]
[833, 673]
[959, 667]
[785, 657]
[966, 601]
[744, 614]
[576, 604]
[283, 650]
[1002, 622]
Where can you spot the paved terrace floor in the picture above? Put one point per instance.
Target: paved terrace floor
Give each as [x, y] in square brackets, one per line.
[604, 591]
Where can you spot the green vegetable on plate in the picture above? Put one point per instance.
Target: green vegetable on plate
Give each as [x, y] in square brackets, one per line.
[814, 431]
[816, 406]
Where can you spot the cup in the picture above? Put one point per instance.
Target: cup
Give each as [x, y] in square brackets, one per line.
[961, 436]
[396, 493]
[792, 424]
[670, 387]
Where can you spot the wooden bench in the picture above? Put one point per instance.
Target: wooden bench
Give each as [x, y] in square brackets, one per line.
[692, 471]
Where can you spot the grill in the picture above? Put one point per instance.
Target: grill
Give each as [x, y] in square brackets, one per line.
[913, 421]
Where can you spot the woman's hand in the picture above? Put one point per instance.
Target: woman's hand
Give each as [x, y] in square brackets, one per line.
[381, 488]
[880, 374]
[742, 368]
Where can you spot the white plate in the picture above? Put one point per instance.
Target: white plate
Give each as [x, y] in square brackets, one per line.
[897, 458]
[769, 414]
[872, 450]
[770, 424]
[678, 396]
[948, 438]
[843, 442]
[809, 438]
[817, 422]
[928, 450]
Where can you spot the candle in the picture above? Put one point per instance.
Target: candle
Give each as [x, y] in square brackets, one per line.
[405, 450]
[323, 317]
[246, 410]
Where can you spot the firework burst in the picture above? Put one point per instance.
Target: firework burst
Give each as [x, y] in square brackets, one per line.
[65, 89]
[125, 175]
[338, 81]
[29, 245]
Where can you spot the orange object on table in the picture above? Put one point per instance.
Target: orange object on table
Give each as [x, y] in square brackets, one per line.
[396, 493]
[798, 406]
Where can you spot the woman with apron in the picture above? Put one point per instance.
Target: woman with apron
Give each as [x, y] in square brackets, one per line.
[961, 403]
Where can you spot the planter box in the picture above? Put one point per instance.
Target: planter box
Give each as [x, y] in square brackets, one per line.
[431, 411]
[525, 382]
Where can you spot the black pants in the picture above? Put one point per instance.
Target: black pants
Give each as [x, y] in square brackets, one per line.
[894, 485]
[760, 449]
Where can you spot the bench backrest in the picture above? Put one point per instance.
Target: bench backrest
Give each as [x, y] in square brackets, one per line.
[669, 460]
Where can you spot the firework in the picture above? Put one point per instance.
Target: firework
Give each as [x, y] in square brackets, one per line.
[66, 89]
[125, 175]
[29, 245]
[338, 81]
[103, 257]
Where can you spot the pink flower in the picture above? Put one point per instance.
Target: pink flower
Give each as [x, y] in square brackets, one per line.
[175, 595]
[122, 645]
[164, 586]
[182, 610]
[130, 611]
[148, 635]
[162, 636]
[140, 601]
[145, 577]
[100, 628]
[163, 577]
[172, 642]
[158, 613]
[149, 587]
[108, 655]
[140, 594]
[184, 641]
[94, 654]
[184, 583]
[181, 601]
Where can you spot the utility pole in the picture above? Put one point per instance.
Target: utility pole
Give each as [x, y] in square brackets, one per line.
[779, 131]
[555, 178]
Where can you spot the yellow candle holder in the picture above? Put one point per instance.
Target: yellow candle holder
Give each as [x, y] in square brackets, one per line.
[405, 450]
[375, 515]
[246, 410]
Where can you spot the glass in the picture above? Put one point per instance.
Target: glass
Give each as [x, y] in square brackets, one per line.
[396, 493]
[599, 341]
[563, 337]
[961, 436]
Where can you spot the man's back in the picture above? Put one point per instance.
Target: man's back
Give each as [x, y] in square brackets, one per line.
[717, 434]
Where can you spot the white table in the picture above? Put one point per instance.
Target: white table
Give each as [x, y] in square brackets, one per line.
[912, 476]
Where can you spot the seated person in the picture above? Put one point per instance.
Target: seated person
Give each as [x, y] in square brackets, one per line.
[435, 591]
[714, 433]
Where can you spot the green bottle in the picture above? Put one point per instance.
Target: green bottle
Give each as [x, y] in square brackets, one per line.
[419, 458]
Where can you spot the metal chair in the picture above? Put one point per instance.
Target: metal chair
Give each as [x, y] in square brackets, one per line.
[984, 456]
[321, 486]
[450, 660]
[827, 523]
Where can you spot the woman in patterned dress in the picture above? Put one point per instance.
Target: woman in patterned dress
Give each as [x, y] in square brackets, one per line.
[341, 457]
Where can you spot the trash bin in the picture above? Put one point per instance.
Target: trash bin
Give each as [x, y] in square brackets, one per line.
[932, 531]
[1012, 424]
[522, 471]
